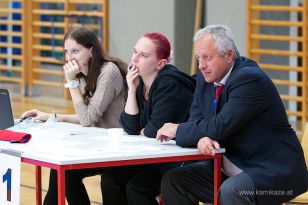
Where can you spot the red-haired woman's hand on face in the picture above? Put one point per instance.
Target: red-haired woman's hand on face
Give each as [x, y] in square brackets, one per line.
[71, 69]
[132, 78]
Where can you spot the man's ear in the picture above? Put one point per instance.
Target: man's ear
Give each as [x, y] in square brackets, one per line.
[161, 64]
[230, 54]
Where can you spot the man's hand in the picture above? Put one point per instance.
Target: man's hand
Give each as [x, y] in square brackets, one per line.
[207, 146]
[167, 132]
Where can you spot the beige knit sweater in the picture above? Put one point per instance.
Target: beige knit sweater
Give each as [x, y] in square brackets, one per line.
[107, 103]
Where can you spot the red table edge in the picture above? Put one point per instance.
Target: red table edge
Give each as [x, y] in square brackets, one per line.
[62, 168]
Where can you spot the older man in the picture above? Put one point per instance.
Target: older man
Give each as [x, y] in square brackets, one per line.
[235, 106]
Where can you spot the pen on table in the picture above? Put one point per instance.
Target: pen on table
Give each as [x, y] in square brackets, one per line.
[24, 118]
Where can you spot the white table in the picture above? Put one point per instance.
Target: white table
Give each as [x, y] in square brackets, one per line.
[65, 146]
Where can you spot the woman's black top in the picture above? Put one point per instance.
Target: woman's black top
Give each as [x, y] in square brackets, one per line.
[169, 100]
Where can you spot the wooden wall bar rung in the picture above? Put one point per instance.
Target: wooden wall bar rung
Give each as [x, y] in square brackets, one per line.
[276, 23]
[10, 22]
[11, 68]
[49, 12]
[276, 52]
[49, 24]
[280, 67]
[11, 45]
[10, 33]
[85, 13]
[10, 11]
[46, 60]
[277, 37]
[85, 2]
[10, 79]
[287, 82]
[50, 1]
[14, 57]
[48, 48]
[275, 8]
[90, 26]
[48, 83]
[294, 113]
[11, 0]
[50, 72]
[292, 98]
[48, 36]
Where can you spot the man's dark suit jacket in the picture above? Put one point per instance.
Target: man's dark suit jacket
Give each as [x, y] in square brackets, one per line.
[251, 123]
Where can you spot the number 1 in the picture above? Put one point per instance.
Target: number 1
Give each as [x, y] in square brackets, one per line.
[8, 177]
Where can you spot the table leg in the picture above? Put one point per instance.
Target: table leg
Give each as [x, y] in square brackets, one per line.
[61, 186]
[38, 181]
[217, 177]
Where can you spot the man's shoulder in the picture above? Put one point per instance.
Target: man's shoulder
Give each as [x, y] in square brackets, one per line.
[247, 68]
[246, 65]
[249, 73]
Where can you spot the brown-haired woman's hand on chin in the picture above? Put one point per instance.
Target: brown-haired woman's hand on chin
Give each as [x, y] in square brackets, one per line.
[132, 78]
[71, 69]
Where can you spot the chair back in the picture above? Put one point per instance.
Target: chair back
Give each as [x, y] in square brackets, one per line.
[303, 198]
[304, 144]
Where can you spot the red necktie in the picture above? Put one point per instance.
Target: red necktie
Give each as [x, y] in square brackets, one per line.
[219, 89]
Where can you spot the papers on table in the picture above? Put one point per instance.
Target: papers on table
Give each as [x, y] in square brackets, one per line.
[71, 143]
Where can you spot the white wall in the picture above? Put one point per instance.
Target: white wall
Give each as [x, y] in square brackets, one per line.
[231, 13]
[130, 19]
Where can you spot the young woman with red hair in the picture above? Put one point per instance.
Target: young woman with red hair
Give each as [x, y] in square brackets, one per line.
[157, 91]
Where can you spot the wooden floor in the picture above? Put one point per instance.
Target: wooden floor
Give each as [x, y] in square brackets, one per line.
[27, 191]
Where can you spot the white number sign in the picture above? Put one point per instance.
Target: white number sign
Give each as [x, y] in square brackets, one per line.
[9, 179]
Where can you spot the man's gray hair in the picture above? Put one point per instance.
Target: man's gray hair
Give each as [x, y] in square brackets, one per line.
[222, 36]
